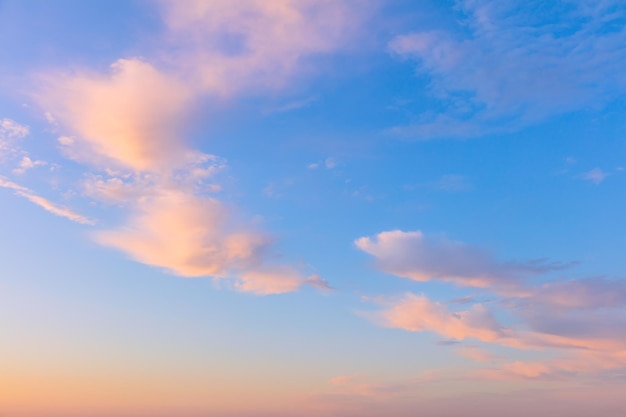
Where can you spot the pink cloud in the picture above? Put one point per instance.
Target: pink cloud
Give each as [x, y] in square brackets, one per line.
[10, 133]
[595, 176]
[130, 118]
[417, 313]
[195, 236]
[127, 126]
[231, 46]
[533, 74]
[45, 204]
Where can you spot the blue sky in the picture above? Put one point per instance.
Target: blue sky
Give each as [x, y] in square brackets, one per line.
[303, 208]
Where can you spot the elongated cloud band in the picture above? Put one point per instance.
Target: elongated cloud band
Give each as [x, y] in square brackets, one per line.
[578, 318]
[44, 203]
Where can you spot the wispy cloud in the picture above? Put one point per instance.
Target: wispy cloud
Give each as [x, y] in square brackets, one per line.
[26, 163]
[536, 69]
[595, 176]
[10, 133]
[44, 203]
[126, 127]
[424, 258]
[233, 46]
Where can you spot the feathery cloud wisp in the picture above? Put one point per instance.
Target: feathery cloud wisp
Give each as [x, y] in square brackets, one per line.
[423, 258]
[44, 203]
[508, 69]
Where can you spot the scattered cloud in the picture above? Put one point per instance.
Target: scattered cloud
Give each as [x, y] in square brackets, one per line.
[330, 163]
[10, 129]
[10, 133]
[537, 68]
[127, 127]
[595, 176]
[26, 163]
[232, 46]
[128, 119]
[417, 313]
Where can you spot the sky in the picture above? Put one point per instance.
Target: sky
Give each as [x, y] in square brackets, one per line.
[298, 208]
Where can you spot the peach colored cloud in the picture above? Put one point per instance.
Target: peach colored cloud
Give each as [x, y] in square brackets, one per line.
[229, 46]
[578, 352]
[26, 164]
[10, 133]
[575, 363]
[127, 126]
[44, 203]
[130, 118]
[417, 313]
[533, 75]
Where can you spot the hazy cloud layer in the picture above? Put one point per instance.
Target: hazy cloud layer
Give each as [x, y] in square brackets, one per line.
[44, 203]
[511, 66]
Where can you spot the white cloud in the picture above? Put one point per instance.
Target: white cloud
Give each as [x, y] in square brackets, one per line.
[596, 176]
[10, 133]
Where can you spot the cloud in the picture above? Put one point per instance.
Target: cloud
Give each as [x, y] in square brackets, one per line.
[127, 127]
[595, 176]
[476, 354]
[26, 163]
[580, 320]
[423, 258]
[195, 236]
[509, 68]
[10, 133]
[10, 129]
[230, 46]
[130, 118]
[45, 203]
[581, 294]
[417, 313]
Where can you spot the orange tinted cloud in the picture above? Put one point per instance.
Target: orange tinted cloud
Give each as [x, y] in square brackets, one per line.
[419, 257]
[417, 313]
[45, 204]
[229, 46]
[130, 118]
[194, 236]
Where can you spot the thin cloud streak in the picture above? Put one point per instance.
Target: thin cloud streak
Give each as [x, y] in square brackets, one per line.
[536, 70]
[46, 204]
